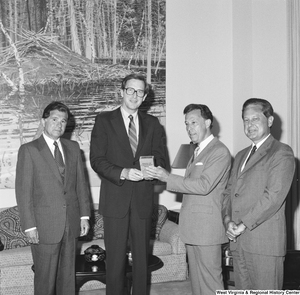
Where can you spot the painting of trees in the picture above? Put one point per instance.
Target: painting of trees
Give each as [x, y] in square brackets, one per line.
[75, 51]
[116, 31]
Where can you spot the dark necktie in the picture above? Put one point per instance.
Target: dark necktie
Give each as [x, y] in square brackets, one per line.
[59, 160]
[251, 154]
[132, 135]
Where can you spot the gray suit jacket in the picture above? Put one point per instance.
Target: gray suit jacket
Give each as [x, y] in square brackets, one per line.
[256, 196]
[205, 179]
[44, 201]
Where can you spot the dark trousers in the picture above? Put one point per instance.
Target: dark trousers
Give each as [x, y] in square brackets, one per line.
[55, 267]
[116, 234]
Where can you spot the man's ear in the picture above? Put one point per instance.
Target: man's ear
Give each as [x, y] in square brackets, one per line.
[270, 121]
[122, 92]
[43, 122]
[207, 123]
[144, 97]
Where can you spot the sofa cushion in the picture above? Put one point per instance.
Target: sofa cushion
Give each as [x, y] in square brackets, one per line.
[97, 227]
[11, 233]
[159, 216]
[160, 248]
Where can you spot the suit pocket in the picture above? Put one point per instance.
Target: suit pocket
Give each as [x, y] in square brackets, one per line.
[202, 209]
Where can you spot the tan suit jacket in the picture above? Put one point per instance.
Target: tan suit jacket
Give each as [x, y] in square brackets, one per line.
[203, 184]
[256, 196]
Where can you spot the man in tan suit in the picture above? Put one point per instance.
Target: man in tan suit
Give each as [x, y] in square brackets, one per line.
[254, 202]
[53, 200]
[200, 223]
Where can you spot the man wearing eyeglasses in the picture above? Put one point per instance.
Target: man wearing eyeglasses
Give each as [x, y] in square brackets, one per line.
[118, 140]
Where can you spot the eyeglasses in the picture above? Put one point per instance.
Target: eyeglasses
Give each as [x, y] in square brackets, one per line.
[131, 91]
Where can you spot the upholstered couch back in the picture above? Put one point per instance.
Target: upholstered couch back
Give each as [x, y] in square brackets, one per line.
[12, 235]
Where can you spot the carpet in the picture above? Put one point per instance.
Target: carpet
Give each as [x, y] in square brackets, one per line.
[167, 288]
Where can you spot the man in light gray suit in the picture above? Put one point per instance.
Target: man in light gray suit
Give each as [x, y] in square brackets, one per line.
[254, 202]
[200, 223]
[53, 200]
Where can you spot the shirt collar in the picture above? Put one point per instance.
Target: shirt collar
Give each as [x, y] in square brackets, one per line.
[261, 142]
[205, 142]
[49, 140]
[125, 114]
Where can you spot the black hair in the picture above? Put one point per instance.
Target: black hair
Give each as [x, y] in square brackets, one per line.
[55, 105]
[267, 108]
[204, 110]
[135, 76]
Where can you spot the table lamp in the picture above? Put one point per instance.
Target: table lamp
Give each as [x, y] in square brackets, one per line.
[183, 156]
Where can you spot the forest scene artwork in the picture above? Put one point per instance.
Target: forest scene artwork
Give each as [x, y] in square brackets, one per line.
[76, 52]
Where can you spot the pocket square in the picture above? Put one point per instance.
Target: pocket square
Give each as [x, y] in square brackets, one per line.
[199, 164]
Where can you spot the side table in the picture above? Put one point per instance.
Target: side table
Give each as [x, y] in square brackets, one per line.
[173, 215]
[87, 271]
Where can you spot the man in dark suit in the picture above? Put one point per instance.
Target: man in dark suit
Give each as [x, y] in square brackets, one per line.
[126, 195]
[53, 200]
[254, 202]
[200, 224]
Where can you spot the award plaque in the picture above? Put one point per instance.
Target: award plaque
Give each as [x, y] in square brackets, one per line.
[146, 161]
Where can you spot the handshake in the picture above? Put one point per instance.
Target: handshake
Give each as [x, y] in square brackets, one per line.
[234, 230]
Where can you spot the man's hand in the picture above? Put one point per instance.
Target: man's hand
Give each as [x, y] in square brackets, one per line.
[240, 228]
[132, 174]
[158, 173]
[32, 236]
[85, 226]
[233, 230]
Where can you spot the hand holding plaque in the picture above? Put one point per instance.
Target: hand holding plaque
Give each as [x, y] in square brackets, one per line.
[146, 161]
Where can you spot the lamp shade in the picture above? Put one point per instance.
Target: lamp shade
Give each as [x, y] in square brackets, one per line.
[183, 156]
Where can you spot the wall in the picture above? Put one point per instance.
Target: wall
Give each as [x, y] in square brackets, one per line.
[220, 53]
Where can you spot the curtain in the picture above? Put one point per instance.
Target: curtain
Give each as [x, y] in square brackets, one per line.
[293, 200]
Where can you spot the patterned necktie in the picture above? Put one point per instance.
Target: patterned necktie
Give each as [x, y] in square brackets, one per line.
[251, 154]
[59, 160]
[196, 153]
[132, 135]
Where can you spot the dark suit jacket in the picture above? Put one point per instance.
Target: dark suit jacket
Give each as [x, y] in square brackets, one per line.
[111, 152]
[44, 201]
[203, 184]
[256, 196]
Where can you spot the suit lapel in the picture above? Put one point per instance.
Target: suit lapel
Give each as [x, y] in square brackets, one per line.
[202, 155]
[47, 155]
[120, 129]
[258, 155]
[142, 131]
[68, 158]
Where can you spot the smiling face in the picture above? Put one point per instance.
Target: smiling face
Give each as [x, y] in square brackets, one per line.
[131, 102]
[55, 124]
[256, 124]
[197, 127]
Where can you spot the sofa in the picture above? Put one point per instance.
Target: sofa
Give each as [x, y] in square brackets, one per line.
[16, 275]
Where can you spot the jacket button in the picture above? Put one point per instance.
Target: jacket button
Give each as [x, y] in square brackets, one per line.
[236, 195]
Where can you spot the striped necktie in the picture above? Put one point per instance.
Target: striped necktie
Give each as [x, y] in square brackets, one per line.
[59, 160]
[132, 135]
[195, 153]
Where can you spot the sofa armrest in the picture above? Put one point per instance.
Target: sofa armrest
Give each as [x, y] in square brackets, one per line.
[170, 234]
